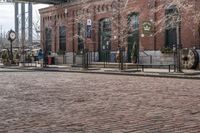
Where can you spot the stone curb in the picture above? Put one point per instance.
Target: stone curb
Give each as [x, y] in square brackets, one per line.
[156, 75]
[130, 74]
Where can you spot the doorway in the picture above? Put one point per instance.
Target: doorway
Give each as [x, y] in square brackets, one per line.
[133, 37]
[104, 40]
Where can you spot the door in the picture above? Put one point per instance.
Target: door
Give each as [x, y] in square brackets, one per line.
[133, 37]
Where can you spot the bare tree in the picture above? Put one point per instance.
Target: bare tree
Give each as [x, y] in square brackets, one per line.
[186, 11]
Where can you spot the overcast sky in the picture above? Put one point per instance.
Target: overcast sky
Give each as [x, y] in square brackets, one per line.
[7, 15]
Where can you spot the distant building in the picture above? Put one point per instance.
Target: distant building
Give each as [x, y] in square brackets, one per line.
[104, 26]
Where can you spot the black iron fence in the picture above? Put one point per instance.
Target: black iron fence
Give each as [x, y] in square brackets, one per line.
[105, 59]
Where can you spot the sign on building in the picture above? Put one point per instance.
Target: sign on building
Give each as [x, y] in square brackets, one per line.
[89, 28]
[147, 28]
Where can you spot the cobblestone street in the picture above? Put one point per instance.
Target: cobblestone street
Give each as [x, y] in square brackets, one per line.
[44, 102]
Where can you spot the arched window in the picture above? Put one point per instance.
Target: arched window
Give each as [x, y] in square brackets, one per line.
[133, 37]
[133, 22]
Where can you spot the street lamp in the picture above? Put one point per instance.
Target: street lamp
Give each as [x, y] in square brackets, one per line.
[178, 33]
[11, 38]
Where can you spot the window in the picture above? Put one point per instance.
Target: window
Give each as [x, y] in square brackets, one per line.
[133, 22]
[80, 38]
[171, 15]
[105, 34]
[62, 38]
[48, 42]
[105, 39]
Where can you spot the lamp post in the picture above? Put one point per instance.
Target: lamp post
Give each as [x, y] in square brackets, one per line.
[11, 38]
[73, 40]
[178, 33]
[119, 36]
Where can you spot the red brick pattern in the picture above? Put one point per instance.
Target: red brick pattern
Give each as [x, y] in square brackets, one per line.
[99, 10]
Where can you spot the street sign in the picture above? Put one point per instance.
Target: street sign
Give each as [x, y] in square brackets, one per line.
[89, 22]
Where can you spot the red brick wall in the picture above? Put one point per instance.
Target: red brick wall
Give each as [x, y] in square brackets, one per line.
[99, 10]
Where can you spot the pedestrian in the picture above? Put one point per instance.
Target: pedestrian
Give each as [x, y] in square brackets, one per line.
[40, 57]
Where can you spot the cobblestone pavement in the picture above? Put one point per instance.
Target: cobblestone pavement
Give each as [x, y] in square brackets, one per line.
[43, 102]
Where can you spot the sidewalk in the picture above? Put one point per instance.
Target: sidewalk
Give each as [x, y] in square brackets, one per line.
[149, 72]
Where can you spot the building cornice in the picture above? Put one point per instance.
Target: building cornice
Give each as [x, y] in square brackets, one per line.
[72, 4]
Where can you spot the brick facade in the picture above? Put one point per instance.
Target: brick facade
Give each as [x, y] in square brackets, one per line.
[71, 13]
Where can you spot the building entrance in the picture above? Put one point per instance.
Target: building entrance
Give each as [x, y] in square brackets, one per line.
[133, 38]
[104, 40]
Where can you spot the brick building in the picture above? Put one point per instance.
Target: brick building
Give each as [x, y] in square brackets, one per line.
[102, 26]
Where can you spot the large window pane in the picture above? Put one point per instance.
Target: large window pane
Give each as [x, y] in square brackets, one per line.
[80, 38]
[48, 39]
[62, 38]
[171, 15]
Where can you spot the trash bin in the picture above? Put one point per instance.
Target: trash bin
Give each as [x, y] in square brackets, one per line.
[49, 60]
[52, 61]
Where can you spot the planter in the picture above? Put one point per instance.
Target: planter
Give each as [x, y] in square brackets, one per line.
[79, 59]
[59, 59]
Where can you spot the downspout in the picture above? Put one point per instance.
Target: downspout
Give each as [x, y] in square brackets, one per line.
[155, 20]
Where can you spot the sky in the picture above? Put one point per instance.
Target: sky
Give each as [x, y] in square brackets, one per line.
[7, 15]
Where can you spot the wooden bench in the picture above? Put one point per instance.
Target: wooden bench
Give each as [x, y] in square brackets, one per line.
[155, 65]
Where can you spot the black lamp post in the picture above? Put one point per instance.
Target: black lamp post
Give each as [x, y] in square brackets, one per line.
[11, 38]
[179, 46]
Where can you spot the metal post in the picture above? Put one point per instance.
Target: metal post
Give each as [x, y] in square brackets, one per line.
[30, 21]
[73, 33]
[11, 53]
[178, 32]
[17, 22]
[23, 29]
[119, 22]
[155, 20]
[104, 59]
[151, 60]
[94, 35]
[1, 37]
[87, 60]
[174, 53]
[122, 60]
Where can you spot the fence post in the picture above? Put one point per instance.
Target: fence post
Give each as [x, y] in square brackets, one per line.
[121, 59]
[151, 59]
